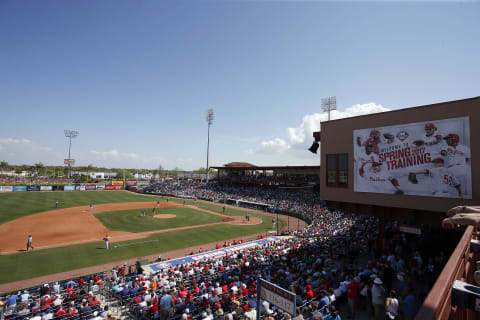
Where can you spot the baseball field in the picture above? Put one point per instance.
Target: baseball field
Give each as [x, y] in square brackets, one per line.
[70, 236]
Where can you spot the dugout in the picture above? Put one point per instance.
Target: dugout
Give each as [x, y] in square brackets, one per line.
[394, 139]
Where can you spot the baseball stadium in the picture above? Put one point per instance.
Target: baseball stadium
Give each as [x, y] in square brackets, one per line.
[277, 242]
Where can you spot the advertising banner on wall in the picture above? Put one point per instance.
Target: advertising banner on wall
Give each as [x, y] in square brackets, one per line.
[19, 188]
[33, 188]
[130, 183]
[429, 158]
[90, 187]
[46, 188]
[69, 188]
[117, 183]
[100, 187]
[6, 188]
[113, 187]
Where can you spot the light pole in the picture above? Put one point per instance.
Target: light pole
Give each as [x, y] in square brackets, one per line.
[70, 134]
[329, 104]
[209, 121]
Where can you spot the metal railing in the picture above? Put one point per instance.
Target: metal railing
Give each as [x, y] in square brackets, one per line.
[460, 266]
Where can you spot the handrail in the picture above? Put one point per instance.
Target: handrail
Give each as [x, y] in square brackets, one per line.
[437, 305]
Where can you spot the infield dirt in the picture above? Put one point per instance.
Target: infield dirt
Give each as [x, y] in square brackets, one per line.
[79, 225]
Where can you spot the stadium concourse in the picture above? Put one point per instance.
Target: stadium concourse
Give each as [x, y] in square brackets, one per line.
[335, 264]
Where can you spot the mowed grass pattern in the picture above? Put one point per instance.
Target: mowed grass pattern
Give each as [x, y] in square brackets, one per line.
[133, 221]
[14, 205]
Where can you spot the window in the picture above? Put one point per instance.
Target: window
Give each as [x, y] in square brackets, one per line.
[337, 170]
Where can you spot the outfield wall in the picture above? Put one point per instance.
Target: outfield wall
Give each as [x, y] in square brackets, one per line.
[73, 187]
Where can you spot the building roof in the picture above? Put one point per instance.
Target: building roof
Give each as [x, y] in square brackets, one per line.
[239, 165]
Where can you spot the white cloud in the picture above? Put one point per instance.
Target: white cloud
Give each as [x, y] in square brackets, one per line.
[9, 141]
[276, 145]
[114, 154]
[300, 137]
[25, 151]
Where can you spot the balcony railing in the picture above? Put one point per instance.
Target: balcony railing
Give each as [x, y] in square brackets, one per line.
[460, 266]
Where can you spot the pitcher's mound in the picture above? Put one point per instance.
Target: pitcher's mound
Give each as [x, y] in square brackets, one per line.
[164, 216]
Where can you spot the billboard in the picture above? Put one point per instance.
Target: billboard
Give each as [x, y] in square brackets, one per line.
[113, 187]
[46, 188]
[69, 161]
[19, 188]
[69, 188]
[6, 188]
[100, 187]
[429, 158]
[33, 188]
[117, 183]
[90, 187]
[130, 183]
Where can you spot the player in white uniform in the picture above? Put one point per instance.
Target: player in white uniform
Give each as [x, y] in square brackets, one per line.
[379, 180]
[430, 138]
[444, 182]
[365, 156]
[453, 153]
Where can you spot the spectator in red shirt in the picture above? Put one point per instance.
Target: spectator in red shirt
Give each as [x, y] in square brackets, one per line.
[352, 292]
[60, 311]
[94, 301]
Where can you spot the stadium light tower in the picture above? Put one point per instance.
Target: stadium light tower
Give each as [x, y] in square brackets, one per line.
[329, 104]
[209, 121]
[70, 134]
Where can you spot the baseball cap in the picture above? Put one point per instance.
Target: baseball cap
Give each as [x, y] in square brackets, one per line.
[438, 160]
[452, 136]
[429, 126]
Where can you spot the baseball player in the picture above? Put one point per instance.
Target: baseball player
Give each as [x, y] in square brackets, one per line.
[143, 212]
[158, 204]
[453, 153]
[379, 180]
[56, 204]
[29, 242]
[366, 156]
[153, 211]
[430, 138]
[105, 241]
[444, 182]
[223, 209]
[91, 206]
[184, 201]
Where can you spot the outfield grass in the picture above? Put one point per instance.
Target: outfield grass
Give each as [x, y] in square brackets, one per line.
[133, 221]
[15, 205]
[49, 261]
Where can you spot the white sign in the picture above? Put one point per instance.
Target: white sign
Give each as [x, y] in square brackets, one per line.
[277, 296]
[429, 158]
[6, 188]
[69, 161]
[46, 188]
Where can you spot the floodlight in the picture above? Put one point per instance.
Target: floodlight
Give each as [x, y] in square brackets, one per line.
[329, 104]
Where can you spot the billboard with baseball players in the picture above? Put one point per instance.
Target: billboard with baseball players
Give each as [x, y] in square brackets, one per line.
[429, 158]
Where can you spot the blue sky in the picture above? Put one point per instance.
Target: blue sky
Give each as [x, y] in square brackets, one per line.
[135, 78]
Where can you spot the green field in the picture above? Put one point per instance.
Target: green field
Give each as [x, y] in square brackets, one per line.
[133, 221]
[49, 261]
[18, 204]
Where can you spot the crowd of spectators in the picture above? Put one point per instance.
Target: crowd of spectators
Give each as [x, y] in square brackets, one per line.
[75, 299]
[299, 200]
[322, 264]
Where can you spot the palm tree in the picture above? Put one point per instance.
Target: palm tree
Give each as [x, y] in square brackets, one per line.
[4, 165]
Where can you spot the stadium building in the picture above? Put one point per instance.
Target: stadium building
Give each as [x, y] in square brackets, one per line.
[382, 163]
[410, 165]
